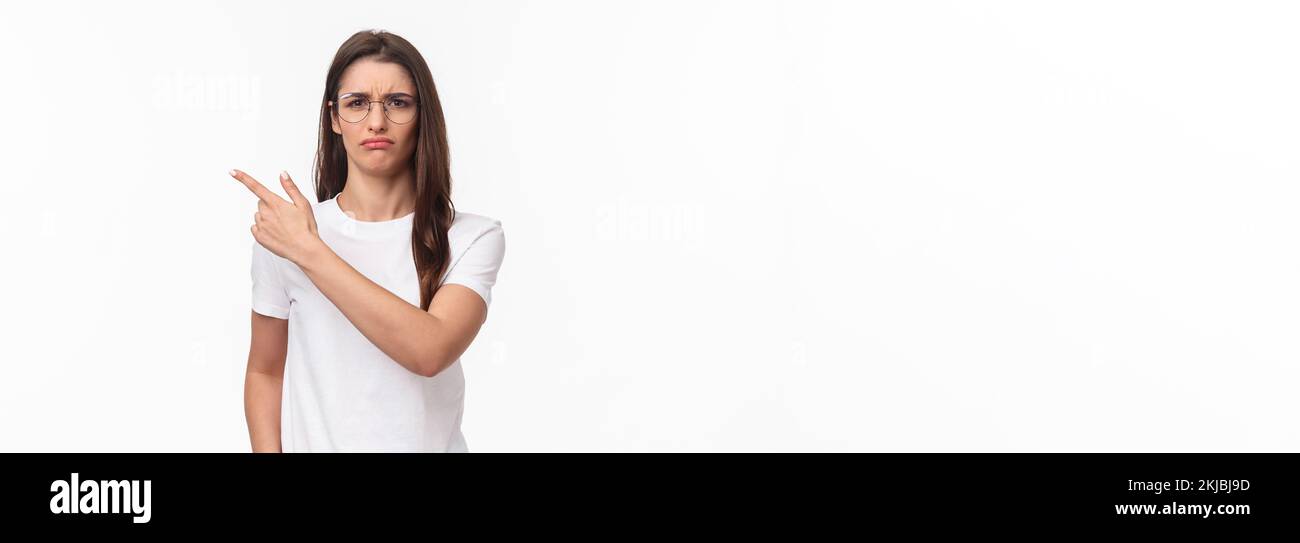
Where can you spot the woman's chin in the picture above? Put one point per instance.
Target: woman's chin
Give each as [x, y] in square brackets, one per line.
[380, 166]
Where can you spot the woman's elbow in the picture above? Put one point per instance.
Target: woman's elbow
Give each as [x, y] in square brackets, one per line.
[432, 365]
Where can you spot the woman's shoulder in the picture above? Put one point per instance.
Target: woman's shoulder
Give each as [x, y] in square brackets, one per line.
[480, 234]
[473, 225]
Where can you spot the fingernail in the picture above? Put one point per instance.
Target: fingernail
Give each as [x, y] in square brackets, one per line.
[284, 175]
[232, 173]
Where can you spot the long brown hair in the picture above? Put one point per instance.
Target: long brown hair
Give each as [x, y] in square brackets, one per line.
[434, 211]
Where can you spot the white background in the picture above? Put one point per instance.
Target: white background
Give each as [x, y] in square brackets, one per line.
[731, 226]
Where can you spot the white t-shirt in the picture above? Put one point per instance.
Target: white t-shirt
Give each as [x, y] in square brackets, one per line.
[341, 393]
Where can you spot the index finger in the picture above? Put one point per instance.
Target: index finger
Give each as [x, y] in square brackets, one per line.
[255, 186]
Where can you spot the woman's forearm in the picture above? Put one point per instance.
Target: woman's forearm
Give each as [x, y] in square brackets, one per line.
[262, 393]
[407, 334]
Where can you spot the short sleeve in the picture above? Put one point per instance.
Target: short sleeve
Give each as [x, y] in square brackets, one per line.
[269, 295]
[477, 267]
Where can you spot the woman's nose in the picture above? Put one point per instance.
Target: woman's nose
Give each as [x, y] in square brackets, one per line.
[377, 119]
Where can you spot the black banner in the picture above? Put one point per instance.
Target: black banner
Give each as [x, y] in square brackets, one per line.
[731, 493]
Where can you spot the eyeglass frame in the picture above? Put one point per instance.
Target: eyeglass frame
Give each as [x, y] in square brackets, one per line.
[334, 104]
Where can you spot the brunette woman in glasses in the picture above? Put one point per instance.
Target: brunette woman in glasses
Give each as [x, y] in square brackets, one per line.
[364, 300]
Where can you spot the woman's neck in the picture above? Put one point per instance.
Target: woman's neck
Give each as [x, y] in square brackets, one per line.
[377, 198]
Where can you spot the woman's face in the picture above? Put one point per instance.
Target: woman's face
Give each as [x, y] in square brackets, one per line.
[367, 79]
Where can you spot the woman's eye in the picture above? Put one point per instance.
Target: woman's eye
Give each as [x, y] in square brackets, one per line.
[397, 102]
[354, 103]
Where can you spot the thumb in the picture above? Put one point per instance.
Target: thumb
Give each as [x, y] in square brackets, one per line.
[291, 189]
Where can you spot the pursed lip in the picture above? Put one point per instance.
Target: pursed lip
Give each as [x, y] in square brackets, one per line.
[377, 143]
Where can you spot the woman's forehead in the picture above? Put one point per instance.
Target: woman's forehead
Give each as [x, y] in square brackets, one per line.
[371, 77]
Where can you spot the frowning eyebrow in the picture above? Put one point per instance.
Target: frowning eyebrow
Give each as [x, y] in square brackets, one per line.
[367, 95]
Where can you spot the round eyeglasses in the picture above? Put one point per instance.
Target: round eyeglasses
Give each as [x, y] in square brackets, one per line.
[354, 107]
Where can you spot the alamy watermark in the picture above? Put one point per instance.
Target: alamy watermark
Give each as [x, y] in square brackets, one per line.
[93, 497]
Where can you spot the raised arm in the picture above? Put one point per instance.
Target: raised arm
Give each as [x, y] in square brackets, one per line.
[424, 342]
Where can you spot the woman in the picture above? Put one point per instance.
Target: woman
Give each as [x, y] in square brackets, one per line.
[375, 291]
